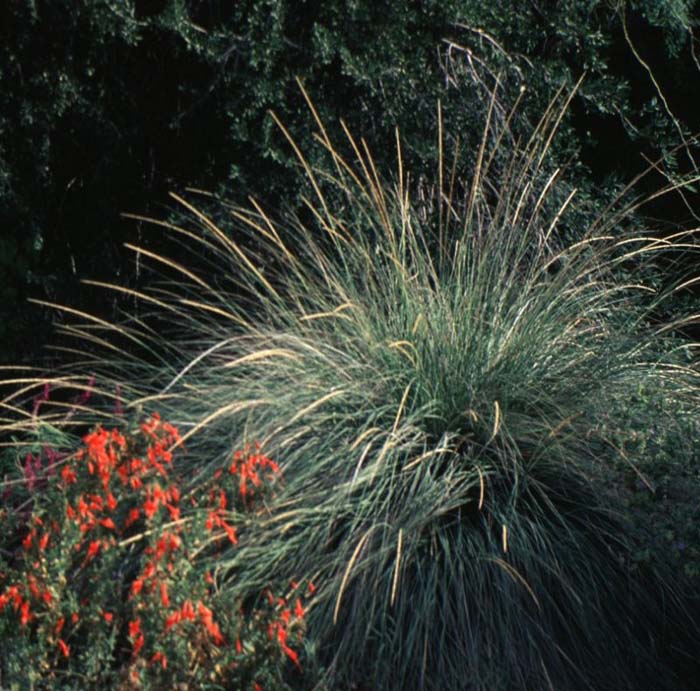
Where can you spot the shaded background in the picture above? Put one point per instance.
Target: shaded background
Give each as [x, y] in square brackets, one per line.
[107, 105]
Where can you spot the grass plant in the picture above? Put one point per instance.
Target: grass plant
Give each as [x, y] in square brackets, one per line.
[442, 371]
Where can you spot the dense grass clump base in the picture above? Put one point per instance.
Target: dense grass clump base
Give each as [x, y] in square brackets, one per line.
[444, 382]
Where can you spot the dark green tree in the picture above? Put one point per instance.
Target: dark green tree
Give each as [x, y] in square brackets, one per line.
[106, 105]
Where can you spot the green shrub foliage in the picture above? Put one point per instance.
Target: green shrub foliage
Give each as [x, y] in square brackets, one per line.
[105, 105]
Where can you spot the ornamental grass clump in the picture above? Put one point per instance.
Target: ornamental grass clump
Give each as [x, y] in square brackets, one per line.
[439, 369]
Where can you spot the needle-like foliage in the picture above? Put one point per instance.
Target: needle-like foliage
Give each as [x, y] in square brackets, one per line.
[434, 368]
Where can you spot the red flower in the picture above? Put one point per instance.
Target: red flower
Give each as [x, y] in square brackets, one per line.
[208, 620]
[154, 462]
[118, 439]
[215, 633]
[93, 549]
[212, 520]
[164, 594]
[204, 611]
[108, 616]
[173, 619]
[33, 587]
[123, 471]
[160, 657]
[68, 475]
[161, 546]
[64, 647]
[187, 611]
[25, 614]
[27, 542]
[149, 427]
[150, 507]
[82, 507]
[282, 640]
[132, 517]
[230, 531]
[12, 593]
[291, 655]
[100, 458]
[172, 431]
[134, 628]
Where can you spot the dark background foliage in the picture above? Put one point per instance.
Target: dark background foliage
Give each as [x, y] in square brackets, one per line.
[106, 105]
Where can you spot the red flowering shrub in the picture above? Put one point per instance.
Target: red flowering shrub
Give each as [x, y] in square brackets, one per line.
[103, 577]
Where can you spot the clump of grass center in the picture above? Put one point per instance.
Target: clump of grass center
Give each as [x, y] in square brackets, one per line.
[433, 371]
